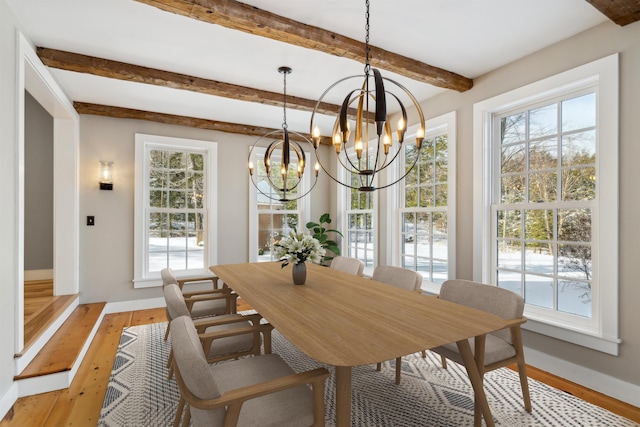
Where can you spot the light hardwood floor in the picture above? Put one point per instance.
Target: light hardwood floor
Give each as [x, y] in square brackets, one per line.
[80, 404]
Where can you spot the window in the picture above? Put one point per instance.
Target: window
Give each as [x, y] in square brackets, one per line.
[358, 223]
[175, 193]
[551, 213]
[271, 218]
[427, 204]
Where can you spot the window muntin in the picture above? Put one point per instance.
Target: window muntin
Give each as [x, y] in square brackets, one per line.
[546, 157]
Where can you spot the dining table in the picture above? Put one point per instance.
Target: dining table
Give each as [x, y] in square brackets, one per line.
[344, 320]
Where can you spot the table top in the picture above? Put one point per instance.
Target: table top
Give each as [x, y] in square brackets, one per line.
[345, 320]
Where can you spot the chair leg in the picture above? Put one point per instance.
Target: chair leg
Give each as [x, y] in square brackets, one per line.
[516, 336]
[379, 366]
[424, 354]
[398, 370]
[524, 384]
[187, 416]
[179, 409]
[443, 360]
[166, 334]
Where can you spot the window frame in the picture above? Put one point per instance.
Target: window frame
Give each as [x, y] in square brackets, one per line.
[601, 333]
[444, 124]
[142, 278]
[303, 210]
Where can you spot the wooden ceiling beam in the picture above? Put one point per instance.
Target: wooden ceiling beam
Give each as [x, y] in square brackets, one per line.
[171, 119]
[134, 73]
[239, 16]
[622, 12]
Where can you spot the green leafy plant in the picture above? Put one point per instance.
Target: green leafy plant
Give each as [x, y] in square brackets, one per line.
[320, 233]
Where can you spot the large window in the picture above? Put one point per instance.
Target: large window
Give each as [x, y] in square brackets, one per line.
[427, 204]
[551, 167]
[271, 218]
[173, 201]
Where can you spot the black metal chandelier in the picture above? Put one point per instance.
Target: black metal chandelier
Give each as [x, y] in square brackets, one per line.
[283, 176]
[370, 147]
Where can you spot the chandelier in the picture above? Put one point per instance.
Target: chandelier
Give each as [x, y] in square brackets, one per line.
[363, 137]
[276, 169]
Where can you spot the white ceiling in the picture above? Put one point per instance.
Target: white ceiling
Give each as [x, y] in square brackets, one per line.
[468, 37]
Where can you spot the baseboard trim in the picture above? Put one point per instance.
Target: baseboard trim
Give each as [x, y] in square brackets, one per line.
[8, 400]
[139, 304]
[602, 383]
[38, 275]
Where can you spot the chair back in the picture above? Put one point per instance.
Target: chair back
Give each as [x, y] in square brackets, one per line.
[168, 278]
[348, 265]
[499, 301]
[192, 369]
[176, 306]
[398, 276]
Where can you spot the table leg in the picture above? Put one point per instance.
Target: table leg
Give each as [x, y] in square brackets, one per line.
[343, 396]
[480, 399]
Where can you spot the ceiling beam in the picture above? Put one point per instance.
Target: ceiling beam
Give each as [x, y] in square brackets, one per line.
[239, 16]
[622, 12]
[134, 73]
[171, 119]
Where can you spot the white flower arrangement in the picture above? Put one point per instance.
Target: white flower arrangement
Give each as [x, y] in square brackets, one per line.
[299, 247]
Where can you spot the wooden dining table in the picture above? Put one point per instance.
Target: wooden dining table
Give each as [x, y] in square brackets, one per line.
[345, 321]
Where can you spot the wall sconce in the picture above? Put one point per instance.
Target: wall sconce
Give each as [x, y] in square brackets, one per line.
[105, 177]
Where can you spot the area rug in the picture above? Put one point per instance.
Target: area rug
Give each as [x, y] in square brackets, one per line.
[139, 393]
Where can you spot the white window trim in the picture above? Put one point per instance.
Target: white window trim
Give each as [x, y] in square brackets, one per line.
[435, 126]
[603, 334]
[304, 206]
[141, 188]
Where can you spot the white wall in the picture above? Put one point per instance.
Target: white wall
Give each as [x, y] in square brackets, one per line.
[9, 195]
[106, 249]
[593, 44]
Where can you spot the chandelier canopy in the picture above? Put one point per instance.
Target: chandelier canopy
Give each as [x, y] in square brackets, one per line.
[365, 142]
[284, 162]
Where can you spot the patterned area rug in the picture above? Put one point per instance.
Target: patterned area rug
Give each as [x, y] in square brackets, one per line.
[139, 393]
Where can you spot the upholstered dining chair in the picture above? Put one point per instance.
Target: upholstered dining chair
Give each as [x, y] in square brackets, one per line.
[401, 278]
[203, 303]
[501, 348]
[348, 265]
[261, 390]
[223, 337]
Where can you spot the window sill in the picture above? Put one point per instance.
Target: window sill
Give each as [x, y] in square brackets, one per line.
[147, 283]
[603, 344]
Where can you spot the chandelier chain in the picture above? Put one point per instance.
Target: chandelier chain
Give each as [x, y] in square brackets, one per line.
[284, 112]
[367, 49]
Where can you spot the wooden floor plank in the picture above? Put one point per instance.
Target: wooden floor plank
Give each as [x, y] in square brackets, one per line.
[38, 288]
[31, 410]
[37, 324]
[145, 317]
[62, 350]
[609, 403]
